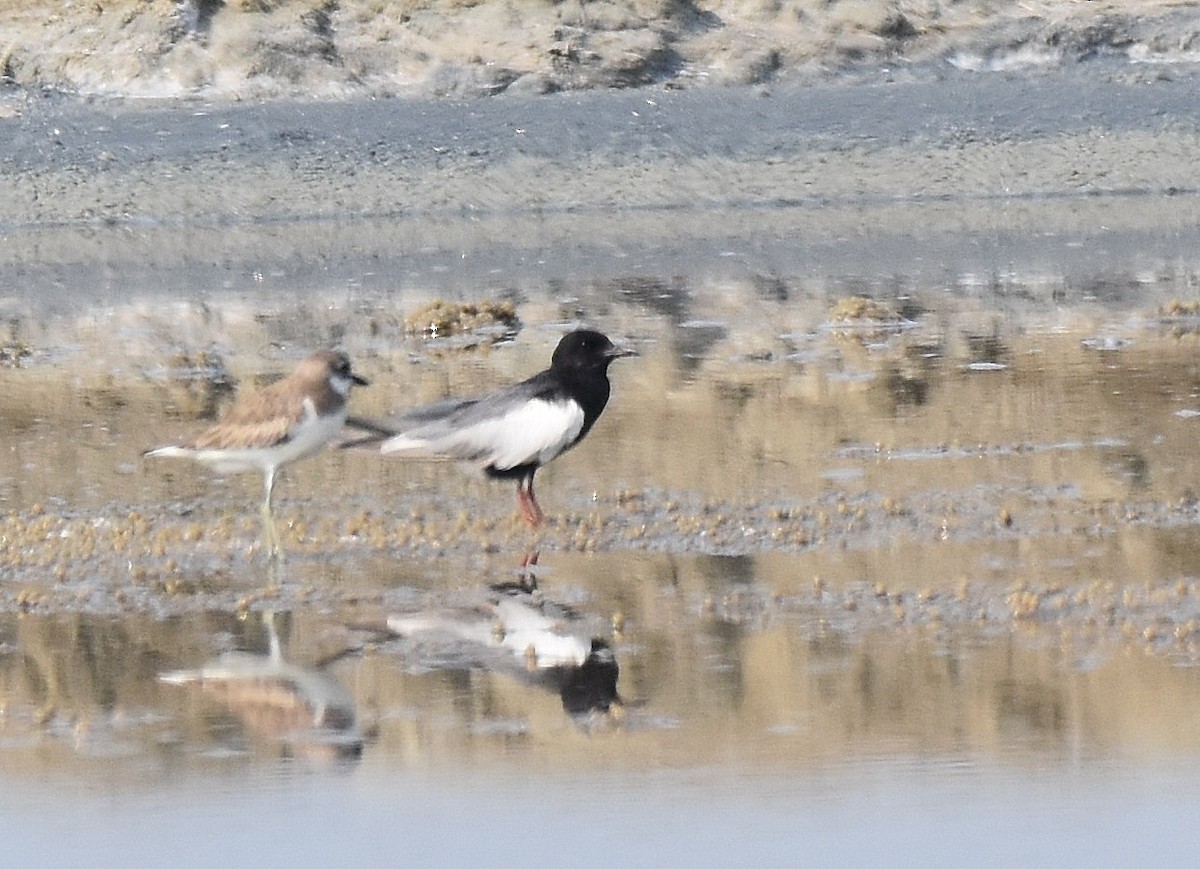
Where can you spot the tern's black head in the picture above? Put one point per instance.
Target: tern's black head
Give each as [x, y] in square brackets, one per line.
[585, 350]
[592, 687]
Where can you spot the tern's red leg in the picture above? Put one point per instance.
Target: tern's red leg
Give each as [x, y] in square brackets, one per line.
[530, 511]
[527, 578]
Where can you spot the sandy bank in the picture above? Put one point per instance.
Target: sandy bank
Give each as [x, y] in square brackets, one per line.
[270, 48]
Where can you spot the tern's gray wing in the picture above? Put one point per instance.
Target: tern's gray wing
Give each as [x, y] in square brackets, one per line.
[522, 424]
[371, 431]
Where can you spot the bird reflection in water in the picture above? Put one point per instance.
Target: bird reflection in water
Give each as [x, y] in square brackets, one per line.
[302, 709]
[519, 632]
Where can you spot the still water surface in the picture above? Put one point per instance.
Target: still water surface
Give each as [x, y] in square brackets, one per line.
[887, 568]
[792, 742]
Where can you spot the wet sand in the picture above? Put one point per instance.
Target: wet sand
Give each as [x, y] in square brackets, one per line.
[392, 198]
[985, 142]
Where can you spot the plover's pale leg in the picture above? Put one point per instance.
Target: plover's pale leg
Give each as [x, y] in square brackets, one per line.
[270, 534]
[273, 647]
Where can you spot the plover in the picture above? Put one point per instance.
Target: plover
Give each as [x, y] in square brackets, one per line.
[281, 423]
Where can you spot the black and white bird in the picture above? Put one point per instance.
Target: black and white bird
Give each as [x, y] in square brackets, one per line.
[512, 432]
[526, 635]
[284, 422]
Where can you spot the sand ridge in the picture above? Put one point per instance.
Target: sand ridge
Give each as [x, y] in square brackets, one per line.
[316, 48]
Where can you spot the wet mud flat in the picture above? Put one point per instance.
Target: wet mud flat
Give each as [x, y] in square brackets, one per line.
[908, 466]
[879, 491]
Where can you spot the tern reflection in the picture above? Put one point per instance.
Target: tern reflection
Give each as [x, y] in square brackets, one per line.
[303, 709]
[519, 632]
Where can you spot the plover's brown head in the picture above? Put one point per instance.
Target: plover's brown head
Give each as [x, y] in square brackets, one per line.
[329, 368]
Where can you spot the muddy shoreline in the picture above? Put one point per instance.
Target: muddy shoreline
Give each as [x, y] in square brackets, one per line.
[987, 139]
[1060, 177]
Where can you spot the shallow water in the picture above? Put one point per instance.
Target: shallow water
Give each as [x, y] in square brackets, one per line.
[897, 561]
[762, 739]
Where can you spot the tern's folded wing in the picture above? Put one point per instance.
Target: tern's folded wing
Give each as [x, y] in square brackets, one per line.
[533, 431]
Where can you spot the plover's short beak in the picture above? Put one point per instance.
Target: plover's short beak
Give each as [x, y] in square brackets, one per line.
[618, 352]
[360, 380]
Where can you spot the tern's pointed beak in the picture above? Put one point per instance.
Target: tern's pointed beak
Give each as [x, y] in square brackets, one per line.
[615, 352]
[359, 380]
